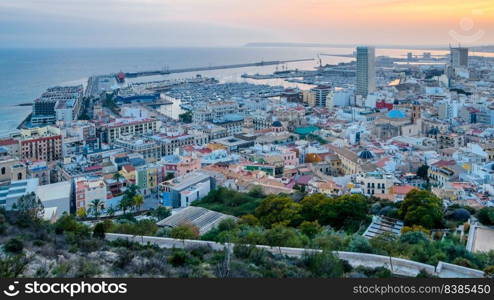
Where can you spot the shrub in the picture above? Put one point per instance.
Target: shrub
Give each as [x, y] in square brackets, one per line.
[280, 236]
[486, 215]
[14, 246]
[12, 266]
[324, 265]
[143, 227]
[68, 223]
[310, 229]
[227, 225]
[178, 258]
[424, 274]
[413, 237]
[415, 228]
[360, 244]
[161, 213]
[99, 231]
[489, 271]
[249, 219]
[125, 256]
[185, 232]
[87, 269]
[463, 262]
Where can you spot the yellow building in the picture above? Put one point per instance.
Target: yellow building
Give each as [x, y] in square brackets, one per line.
[309, 98]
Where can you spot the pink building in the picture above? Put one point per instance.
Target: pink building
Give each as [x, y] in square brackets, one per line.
[188, 164]
[289, 157]
[180, 165]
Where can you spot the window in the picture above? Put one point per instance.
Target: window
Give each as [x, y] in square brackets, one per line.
[3, 170]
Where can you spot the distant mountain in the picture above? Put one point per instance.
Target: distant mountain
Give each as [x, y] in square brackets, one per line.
[487, 48]
[316, 45]
[327, 45]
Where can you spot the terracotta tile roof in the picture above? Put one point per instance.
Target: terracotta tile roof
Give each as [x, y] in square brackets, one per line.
[402, 189]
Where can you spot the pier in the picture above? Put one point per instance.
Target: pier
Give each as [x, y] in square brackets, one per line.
[210, 68]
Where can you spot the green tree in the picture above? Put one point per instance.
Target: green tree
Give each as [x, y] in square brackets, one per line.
[422, 172]
[185, 232]
[249, 219]
[311, 206]
[344, 212]
[281, 236]
[95, 207]
[161, 213]
[132, 190]
[138, 201]
[256, 192]
[29, 206]
[310, 229]
[278, 209]
[117, 176]
[67, 223]
[486, 215]
[186, 117]
[110, 211]
[14, 246]
[422, 208]
[99, 231]
[127, 200]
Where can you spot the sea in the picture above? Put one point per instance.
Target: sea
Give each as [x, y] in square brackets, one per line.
[26, 73]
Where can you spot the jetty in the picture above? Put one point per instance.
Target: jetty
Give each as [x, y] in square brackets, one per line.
[166, 71]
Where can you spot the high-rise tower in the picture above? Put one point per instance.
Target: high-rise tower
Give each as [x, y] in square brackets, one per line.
[366, 70]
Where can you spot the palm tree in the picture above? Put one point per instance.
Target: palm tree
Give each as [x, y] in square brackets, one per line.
[125, 202]
[117, 176]
[133, 189]
[96, 206]
[110, 211]
[138, 201]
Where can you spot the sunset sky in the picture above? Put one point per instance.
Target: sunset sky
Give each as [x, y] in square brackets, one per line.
[124, 23]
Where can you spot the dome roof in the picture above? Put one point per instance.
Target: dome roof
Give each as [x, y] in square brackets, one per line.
[434, 131]
[277, 124]
[396, 114]
[366, 154]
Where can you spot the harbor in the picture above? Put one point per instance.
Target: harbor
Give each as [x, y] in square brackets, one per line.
[166, 71]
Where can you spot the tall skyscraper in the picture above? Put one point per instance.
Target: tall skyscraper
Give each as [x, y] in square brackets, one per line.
[459, 57]
[366, 70]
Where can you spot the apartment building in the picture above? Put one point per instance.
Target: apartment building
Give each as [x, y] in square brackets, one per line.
[42, 143]
[88, 189]
[123, 127]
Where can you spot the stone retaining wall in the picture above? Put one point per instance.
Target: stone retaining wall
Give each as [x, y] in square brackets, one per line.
[396, 265]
